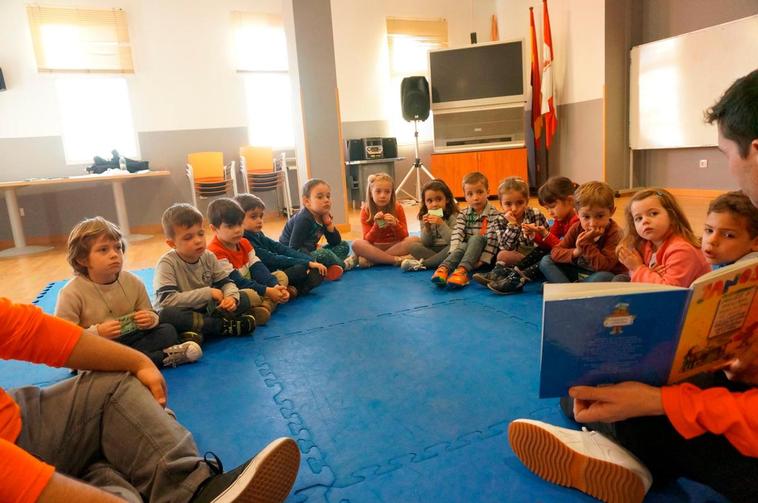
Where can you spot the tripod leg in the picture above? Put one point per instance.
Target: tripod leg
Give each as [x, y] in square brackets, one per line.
[403, 182]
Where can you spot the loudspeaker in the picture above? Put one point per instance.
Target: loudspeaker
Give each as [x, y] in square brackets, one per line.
[2, 81]
[414, 97]
[355, 150]
[389, 148]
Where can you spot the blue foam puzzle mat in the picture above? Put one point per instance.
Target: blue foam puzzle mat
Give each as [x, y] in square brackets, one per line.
[394, 389]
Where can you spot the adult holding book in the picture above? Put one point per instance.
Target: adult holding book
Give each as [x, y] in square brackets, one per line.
[705, 429]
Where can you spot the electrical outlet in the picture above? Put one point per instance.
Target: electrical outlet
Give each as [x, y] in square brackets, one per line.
[703, 163]
[21, 212]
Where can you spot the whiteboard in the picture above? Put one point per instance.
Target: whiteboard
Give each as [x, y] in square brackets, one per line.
[674, 80]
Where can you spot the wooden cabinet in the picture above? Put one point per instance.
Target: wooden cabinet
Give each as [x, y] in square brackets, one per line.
[495, 164]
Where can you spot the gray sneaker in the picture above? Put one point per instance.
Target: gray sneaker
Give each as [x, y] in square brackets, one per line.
[411, 264]
[186, 352]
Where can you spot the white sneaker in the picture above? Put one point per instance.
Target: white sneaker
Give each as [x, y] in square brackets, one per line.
[585, 460]
[351, 262]
[411, 264]
[186, 352]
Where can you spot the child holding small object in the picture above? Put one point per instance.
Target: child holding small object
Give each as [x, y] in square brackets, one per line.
[660, 246]
[107, 301]
[385, 231]
[438, 213]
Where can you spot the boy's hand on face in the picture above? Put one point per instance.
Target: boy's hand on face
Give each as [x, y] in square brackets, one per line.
[321, 268]
[109, 329]
[144, 319]
[228, 304]
[217, 294]
[327, 219]
[510, 218]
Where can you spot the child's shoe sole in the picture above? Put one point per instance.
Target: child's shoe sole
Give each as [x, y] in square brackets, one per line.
[549, 458]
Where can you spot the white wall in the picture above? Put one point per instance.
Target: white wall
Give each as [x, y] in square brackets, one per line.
[184, 72]
[360, 45]
[577, 27]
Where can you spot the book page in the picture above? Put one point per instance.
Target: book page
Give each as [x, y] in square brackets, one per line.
[721, 320]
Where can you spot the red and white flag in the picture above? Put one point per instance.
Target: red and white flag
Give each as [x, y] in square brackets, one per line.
[535, 79]
[548, 100]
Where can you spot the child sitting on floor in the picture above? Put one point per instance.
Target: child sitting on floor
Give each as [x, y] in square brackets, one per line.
[470, 245]
[303, 273]
[588, 251]
[304, 230]
[731, 230]
[513, 242]
[239, 261]
[385, 231]
[112, 303]
[192, 289]
[557, 196]
[437, 214]
[660, 246]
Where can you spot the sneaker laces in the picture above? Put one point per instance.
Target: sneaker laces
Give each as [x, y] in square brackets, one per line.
[215, 464]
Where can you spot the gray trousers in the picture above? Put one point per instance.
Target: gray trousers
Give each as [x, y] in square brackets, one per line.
[433, 256]
[106, 429]
[467, 254]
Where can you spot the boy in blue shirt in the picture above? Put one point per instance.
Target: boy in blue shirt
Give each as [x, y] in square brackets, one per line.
[303, 272]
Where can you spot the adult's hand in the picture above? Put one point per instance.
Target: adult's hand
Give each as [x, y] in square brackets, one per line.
[153, 380]
[608, 404]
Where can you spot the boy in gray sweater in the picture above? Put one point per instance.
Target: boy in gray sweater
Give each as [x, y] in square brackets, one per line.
[192, 290]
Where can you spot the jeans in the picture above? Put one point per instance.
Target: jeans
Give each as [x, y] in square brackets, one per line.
[569, 273]
[467, 254]
[106, 429]
[152, 342]
[186, 319]
[709, 458]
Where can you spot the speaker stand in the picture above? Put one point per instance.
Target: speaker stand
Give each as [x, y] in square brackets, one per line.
[416, 168]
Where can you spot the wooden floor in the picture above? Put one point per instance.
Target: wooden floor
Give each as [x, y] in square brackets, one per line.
[24, 277]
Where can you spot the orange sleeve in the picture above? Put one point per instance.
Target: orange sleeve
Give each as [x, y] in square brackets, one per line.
[28, 334]
[22, 476]
[370, 230]
[693, 411]
[563, 253]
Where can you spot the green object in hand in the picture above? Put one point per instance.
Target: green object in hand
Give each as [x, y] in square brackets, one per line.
[438, 212]
[381, 223]
[128, 325]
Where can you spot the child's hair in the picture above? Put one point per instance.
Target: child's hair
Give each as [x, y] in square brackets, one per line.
[249, 202]
[739, 205]
[181, 215]
[597, 194]
[736, 112]
[225, 211]
[84, 234]
[679, 223]
[513, 183]
[556, 188]
[370, 204]
[475, 177]
[310, 184]
[451, 206]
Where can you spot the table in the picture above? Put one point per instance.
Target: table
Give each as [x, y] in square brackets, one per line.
[357, 173]
[117, 180]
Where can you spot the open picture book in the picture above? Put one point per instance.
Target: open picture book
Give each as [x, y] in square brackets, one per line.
[605, 333]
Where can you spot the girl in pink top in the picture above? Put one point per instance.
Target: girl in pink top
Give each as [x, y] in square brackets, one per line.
[385, 231]
[660, 246]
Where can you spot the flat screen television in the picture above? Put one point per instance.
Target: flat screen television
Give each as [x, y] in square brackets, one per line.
[482, 74]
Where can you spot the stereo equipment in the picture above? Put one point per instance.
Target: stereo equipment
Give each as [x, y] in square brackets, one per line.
[2, 81]
[389, 147]
[414, 98]
[355, 150]
[373, 148]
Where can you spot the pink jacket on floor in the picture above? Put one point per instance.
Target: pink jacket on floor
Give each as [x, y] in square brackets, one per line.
[682, 263]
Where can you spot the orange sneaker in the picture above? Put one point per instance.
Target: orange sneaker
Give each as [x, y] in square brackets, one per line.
[439, 277]
[334, 272]
[459, 278]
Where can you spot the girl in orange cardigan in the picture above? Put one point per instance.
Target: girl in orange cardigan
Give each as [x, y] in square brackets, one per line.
[660, 246]
[385, 231]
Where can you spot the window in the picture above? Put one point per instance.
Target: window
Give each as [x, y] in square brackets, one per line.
[95, 111]
[96, 118]
[409, 42]
[261, 50]
[80, 40]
